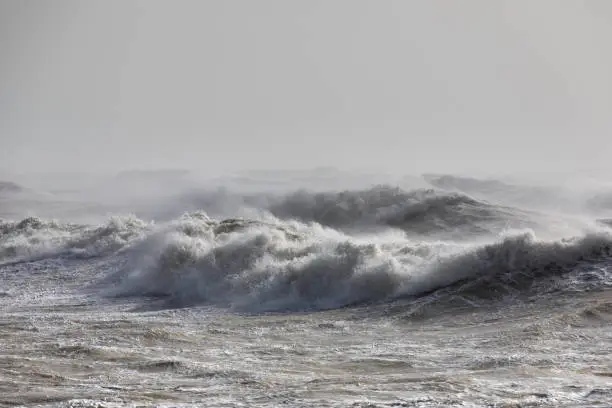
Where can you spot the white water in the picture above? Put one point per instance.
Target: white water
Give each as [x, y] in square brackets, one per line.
[369, 297]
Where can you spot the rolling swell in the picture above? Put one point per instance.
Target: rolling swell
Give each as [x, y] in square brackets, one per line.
[422, 211]
[260, 266]
[502, 192]
[417, 212]
[8, 187]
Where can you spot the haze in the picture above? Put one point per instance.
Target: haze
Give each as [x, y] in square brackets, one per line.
[220, 86]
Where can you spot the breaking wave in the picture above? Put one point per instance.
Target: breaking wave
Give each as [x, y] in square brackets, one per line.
[34, 238]
[313, 251]
[275, 265]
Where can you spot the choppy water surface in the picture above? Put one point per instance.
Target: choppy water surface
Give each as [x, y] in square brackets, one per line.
[376, 297]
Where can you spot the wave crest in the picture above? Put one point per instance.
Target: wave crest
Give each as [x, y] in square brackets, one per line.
[418, 212]
[35, 238]
[276, 266]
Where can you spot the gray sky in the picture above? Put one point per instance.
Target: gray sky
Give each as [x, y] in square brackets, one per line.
[402, 86]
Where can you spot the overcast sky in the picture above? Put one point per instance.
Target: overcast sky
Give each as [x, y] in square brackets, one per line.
[403, 86]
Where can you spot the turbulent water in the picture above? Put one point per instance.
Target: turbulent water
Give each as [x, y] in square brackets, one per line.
[455, 292]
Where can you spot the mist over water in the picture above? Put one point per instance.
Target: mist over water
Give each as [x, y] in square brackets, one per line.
[302, 244]
[478, 89]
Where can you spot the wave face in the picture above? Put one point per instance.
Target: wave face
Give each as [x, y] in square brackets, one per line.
[535, 197]
[418, 212]
[260, 266]
[467, 184]
[257, 265]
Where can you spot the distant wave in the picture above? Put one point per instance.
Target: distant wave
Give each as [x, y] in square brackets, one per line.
[34, 238]
[430, 212]
[600, 201]
[286, 266]
[419, 211]
[422, 211]
[502, 192]
[8, 187]
[467, 184]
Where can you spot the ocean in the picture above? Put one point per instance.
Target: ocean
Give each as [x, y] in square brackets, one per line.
[305, 290]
